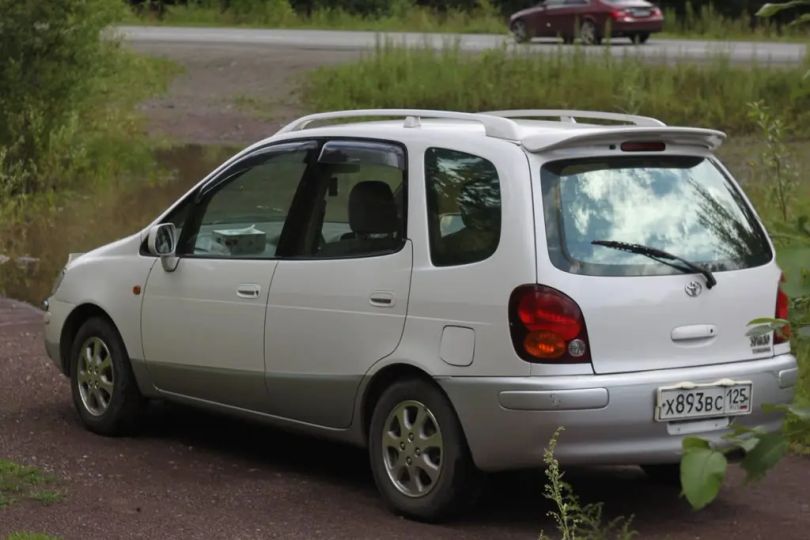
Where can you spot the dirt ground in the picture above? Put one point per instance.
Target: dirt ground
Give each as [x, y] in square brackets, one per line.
[190, 474]
[231, 94]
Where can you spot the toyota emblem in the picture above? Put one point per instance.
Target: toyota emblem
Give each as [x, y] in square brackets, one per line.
[693, 289]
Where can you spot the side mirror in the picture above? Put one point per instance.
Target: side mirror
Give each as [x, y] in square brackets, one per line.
[162, 242]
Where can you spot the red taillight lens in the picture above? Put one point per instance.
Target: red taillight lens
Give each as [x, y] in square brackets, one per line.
[547, 325]
[782, 312]
[618, 15]
[656, 12]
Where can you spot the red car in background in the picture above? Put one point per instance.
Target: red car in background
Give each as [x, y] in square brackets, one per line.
[590, 20]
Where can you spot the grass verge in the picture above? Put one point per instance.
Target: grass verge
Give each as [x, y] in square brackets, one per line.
[19, 483]
[714, 94]
[24, 535]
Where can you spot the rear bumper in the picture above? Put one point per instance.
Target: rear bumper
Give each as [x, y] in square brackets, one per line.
[608, 419]
[635, 27]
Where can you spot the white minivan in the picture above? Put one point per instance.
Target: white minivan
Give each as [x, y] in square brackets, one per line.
[446, 289]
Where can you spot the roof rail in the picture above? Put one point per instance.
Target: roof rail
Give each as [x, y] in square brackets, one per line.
[497, 126]
[571, 116]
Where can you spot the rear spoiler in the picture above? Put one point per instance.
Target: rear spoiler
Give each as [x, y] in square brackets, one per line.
[705, 138]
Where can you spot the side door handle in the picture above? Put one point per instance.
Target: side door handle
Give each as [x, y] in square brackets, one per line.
[248, 290]
[382, 299]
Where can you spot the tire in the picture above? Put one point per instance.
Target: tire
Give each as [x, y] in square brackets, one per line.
[408, 489]
[666, 473]
[640, 39]
[104, 390]
[589, 34]
[520, 31]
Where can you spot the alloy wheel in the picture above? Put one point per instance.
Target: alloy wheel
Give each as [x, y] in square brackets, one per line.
[412, 448]
[95, 376]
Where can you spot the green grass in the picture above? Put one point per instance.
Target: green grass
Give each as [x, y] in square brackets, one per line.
[30, 536]
[20, 482]
[714, 94]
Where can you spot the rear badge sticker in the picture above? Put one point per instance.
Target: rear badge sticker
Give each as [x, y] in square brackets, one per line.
[760, 344]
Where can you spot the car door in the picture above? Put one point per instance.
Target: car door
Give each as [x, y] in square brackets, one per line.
[203, 323]
[338, 305]
[545, 17]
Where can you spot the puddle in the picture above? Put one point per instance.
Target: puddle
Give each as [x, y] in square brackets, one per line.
[99, 217]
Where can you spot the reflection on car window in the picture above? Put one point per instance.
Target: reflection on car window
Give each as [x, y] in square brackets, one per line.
[683, 205]
[245, 216]
[464, 207]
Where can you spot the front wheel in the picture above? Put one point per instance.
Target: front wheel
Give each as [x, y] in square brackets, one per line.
[418, 453]
[104, 390]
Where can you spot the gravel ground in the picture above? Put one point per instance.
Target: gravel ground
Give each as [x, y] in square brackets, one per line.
[190, 474]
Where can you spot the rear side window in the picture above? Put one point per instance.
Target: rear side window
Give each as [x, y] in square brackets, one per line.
[464, 207]
[683, 205]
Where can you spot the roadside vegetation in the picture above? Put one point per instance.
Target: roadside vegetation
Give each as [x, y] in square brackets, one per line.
[695, 19]
[713, 94]
[20, 483]
[67, 111]
[30, 536]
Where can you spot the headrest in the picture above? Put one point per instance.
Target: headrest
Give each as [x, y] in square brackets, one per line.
[372, 209]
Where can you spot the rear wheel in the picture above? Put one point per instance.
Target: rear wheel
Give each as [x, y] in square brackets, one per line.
[588, 34]
[418, 453]
[641, 38]
[104, 390]
[666, 473]
[520, 31]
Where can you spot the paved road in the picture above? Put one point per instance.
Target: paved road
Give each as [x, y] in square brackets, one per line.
[739, 51]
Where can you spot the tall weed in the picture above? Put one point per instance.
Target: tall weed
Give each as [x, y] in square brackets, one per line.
[714, 94]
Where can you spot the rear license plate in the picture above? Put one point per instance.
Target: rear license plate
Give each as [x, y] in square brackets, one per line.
[640, 13]
[686, 400]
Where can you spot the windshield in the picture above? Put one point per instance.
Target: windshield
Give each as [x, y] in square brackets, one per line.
[683, 205]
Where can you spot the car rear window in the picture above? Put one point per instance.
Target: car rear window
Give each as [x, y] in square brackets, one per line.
[683, 205]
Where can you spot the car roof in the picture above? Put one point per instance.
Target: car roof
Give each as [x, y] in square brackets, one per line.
[536, 130]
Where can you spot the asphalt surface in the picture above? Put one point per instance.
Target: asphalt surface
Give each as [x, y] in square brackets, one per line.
[190, 474]
[655, 49]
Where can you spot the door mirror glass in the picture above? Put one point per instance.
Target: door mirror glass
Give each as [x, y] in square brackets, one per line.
[162, 240]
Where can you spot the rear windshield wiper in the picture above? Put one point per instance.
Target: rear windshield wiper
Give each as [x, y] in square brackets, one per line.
[662, 257]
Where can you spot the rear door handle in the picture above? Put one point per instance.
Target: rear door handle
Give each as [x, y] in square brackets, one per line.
[248, 290]
[381, 299]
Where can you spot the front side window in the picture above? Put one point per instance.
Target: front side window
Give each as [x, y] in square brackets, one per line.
[356, 197]
[242, 214]
[464, 207]
[683, 205]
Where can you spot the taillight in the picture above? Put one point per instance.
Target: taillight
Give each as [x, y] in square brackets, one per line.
[656, 12]
[547, 326]
[643, 146]
[782, 311]
[618, 15]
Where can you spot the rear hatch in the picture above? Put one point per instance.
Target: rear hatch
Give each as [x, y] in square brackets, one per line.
[641, 313]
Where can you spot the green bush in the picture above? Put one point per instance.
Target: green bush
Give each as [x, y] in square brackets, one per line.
[66, 95]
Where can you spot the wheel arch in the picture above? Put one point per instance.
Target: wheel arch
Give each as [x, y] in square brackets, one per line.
[384, 378]
[80, 314]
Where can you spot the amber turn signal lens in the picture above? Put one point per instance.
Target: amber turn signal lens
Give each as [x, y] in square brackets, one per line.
[544, 344]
